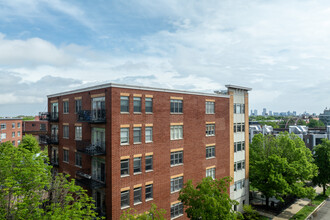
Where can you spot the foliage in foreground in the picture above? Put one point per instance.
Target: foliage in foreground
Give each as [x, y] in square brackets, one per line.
[322, 160]
[153, 213]
[208, 200]
[29, 191]
[250, 213]
[281, 165]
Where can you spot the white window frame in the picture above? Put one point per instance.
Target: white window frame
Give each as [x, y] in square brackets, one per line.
[210, 172]
[124, 140]
[148, 134]
[209, 107]
[176, 132]
[210, 130]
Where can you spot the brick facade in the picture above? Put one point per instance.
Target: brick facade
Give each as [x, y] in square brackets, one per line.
[194, 142]
[11, 130]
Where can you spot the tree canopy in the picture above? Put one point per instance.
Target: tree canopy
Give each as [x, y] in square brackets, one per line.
[208, 200]
[322, 160]
[315, 123]
[29, 191]
[281, 165]
[153, 213]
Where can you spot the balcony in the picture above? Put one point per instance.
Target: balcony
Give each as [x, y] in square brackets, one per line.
[53, 139]
[92, 149]
[48, 116]
[43, 139]
[87, 180]
[54, 163]
[92, 116]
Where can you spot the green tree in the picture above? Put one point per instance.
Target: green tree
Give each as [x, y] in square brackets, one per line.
[30, 143]
[315, 123]
[208, 200]
[29, 191]
[280, 166]
[322, 160]
[250, 213]
[153, 213]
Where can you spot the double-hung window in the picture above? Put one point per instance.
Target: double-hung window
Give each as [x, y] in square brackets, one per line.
[176, 132]
[137, 104]
[124, 167]
[65, 107]
[65, 131]
[78, 132]
[176, 106]
[66, 156]
[137, 195]
[78, 107]
[78, 159]
[18, 134]
[176, 184]
[3, 126]
[124, 104]
[13, 125]
[149, 192]
[137, 165]
[210, 152]
[137, 135]
[176, 210]
[148, 103]
[148, 135]
[210, 129]
[125, 199]
[209, 107]
[13, 134]
[18, 125]
[210, 172]
[176, 158]
[124, 136]
[149, 163]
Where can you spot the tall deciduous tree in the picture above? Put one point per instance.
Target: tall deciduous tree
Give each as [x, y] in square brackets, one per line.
[208, 200]
[29, 191]
[322, 160]
[281, 165]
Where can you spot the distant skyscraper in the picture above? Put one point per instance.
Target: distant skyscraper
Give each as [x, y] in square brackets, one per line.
[294, 113]
[271, 113]
[255, 112]
[264, 110]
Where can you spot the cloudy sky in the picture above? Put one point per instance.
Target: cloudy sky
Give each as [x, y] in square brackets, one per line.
[280, 48]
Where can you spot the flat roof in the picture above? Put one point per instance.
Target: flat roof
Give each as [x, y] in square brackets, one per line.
[8, 119]
[238, 87]
[107, 85]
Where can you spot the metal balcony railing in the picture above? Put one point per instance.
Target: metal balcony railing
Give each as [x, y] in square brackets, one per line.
[43, 139]
[92, 116]
[92, 149]
[49, 116]
[87, 180]
[53, 139]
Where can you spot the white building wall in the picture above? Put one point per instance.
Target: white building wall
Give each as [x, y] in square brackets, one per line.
[240, 195]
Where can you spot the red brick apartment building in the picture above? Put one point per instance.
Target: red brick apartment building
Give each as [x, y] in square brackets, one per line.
[11, 130]
[37, 128]
[132, 146]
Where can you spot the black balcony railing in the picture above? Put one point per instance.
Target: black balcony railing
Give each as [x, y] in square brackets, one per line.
[92, 149]
[43, 139]
[92, 116]
[48, 116]
[53, 139]
[54, 163]
[87, 180]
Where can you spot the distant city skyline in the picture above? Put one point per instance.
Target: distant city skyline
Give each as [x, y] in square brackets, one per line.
[270, 112]
[196, 45]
